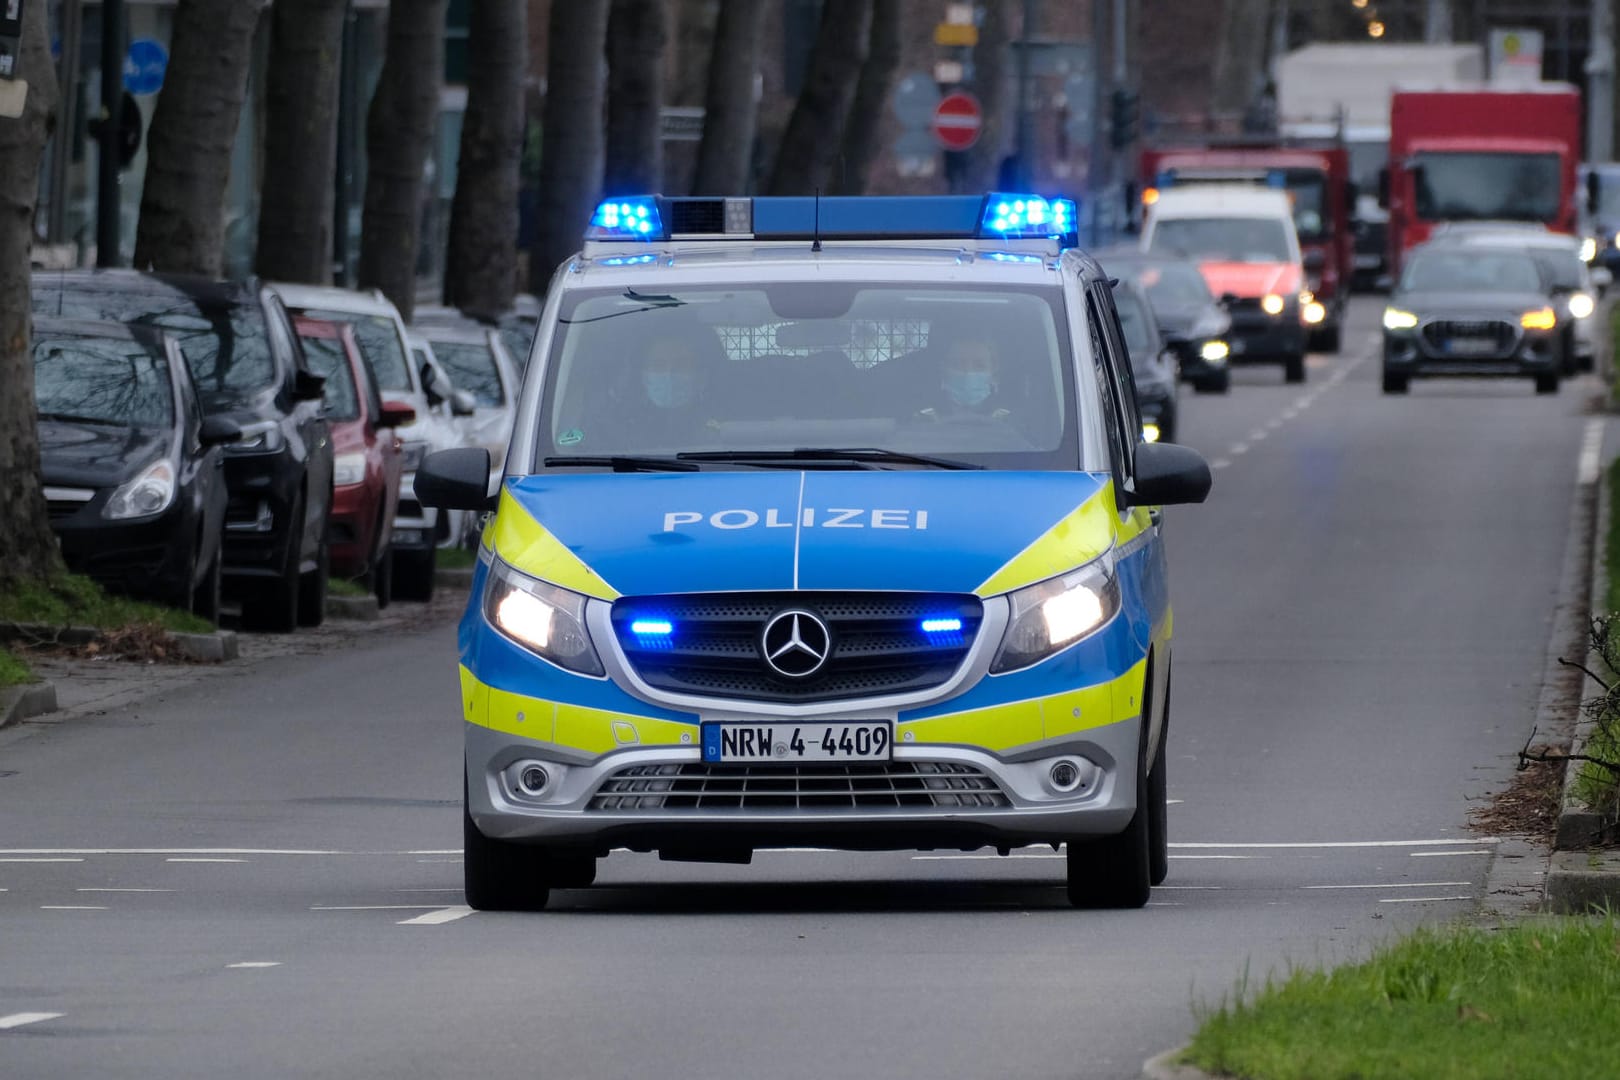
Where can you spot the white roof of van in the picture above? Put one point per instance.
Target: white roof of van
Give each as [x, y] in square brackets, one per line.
[331, 298]
[1221, 200]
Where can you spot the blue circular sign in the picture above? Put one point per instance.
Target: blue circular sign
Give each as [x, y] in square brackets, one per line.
[144, 66]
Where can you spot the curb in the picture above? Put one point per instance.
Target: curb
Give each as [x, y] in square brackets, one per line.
[1165, 1067]
[453, 577]
[1582, 883]
[215, 647]
[359, 608]
[19, 703]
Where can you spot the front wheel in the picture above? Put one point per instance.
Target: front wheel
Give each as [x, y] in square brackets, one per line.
[382, 578]
[496, 875]
[1547, 383]
[312, 589]
[273, 605]
[1294, 368]
[1218, 383]
[205, 597]
[413, 574]
[1394, 383]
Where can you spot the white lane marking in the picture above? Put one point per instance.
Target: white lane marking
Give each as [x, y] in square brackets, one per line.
[1397, 885]
[1420, 899]
[70, 907]
[1588, 466]
[435, 851]
[1164, 903]
[1221, 463]
[123, 890]
[1341, 844]
[375, 907]
[16, 1020]
[1444, 854]
[983, 858]
[34, 860]
[1238, 449]
[193, 851]
[255, 964]
[1303, 402]
[428, 890]
[1174, 802]
[1275, 422]
[206, 860]
[436, 918]
[1220, 856]
[1257, 435]
[439, 860]
[1191, 888]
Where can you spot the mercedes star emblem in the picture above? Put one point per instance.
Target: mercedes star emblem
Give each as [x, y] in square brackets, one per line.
[796, 644]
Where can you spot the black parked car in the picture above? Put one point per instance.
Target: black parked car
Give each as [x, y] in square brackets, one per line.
[133, 471]
[1153, 363]
[247, 366]
[1191, 320]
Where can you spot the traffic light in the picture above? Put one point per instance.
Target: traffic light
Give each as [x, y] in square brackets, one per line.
[1125, 107]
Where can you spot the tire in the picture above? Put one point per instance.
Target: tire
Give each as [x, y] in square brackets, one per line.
[272, 606]
[382, 578]
[413, 574]
[205, 597]
[1117, 871]
[570, 870]
[1394, 383]
[1586, 364]
[1219, 383]
[312, 590]
[1158, 802]
[1294, 368]
[496, 875]
[1548, 383]
[1327, 340]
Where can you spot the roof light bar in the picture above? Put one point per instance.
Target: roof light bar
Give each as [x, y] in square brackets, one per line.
[634, 218]
[1033, 217]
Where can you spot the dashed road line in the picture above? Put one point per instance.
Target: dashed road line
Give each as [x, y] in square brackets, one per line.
[1398, 885]
[70, 907]
[38, 860]
[1336, 844]
[438, 918]
[255, 964]
[1419, 899]
[192, 860]
[1443, 854]
[17, 1020]
[125, 890]
[374, 907]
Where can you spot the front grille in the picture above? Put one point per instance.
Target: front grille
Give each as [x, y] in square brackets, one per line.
[896, 785]
[62, 509]
[1470, 338]
[877, 644]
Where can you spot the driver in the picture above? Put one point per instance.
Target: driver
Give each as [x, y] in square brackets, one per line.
[969, 383]
[671, 410]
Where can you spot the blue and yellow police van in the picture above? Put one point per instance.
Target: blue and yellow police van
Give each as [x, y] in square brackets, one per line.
[825, 522]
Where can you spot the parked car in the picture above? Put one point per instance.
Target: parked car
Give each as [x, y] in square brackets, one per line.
[133, 471]
[476, 360]
[380, 332]
[1477, 311]
[1153, 364]
[370, 456]
[247, 366]
[1191, 320]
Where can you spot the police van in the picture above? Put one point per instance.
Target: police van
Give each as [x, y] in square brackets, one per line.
[824, 522]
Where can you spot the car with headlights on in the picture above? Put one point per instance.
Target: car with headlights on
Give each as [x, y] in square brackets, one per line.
[824, 522]
[1191, 320]
[1153, 364]
[247, 367]
[369, 456]
[133, 470]
[1471, 310]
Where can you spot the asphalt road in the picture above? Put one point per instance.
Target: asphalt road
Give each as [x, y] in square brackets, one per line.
[259, 876]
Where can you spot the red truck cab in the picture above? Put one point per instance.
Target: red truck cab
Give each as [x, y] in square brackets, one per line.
[1480, 154]
[1317, 181]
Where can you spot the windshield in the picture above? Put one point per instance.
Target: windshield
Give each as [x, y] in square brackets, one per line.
[1471, 271]
[1501, 186]
[1608, 197]
[1563, 269]
[112, 380]
[471, 368]
[326, 357]
[224, 342]
[1226, 239]
[973, 373]
[1133, 320]
[379, 342]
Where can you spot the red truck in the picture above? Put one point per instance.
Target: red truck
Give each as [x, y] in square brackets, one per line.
[1480, 155]
[1317, 180]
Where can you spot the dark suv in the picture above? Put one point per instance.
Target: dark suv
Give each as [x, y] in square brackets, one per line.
[247, 365]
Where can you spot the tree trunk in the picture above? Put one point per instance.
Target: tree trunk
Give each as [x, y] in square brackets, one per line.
[730, 108]
[300, 141]
[27, 546]
[480, 274]
[995, 84]
[399, 133]
[571, 143]
[811, 144]
[637, 32]
[1240, 61]
[182, 223]
[864, 130]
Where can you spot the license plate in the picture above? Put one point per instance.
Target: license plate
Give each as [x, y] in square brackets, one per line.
[1470, 346]
[788, 744]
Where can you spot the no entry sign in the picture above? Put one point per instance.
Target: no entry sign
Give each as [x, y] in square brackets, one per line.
[957, 120]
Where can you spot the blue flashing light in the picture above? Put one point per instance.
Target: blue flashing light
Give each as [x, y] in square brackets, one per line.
[629, 260]
[1027, 217]
[942, 626]
[652, 628]
[627, 219]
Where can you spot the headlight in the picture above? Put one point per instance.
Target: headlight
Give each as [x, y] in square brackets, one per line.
[414, 453]
[1215, 352]
[1396, 319]
[1539, 319]
[1055, 613]
[348, 469]
[1313, 313]
[1581, 305]
[1588, 249]
[261, 437]
[149, 493]
[1272, 304]
[546, 620]
[1150, 431]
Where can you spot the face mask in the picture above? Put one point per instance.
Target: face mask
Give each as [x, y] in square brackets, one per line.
[668, 389]
[968, 387]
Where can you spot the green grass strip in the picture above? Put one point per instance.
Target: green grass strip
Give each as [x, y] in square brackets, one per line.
[344, 587]
[1611, 542]
[13, 672]
[457, 558]
[74, 600]
[1536, 1001]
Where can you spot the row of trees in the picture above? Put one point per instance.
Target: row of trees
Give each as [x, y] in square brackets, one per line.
[600, 134]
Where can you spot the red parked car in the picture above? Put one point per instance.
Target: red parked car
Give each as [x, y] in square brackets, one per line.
[368, 457]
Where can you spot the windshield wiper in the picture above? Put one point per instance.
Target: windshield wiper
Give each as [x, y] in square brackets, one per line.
[625, 463]
[868, 456]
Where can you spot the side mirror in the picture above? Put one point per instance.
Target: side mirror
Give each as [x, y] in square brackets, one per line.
[1168, 475]
[1315, 260]
[1228, 299]
[456, 480]
[430, 378]
[218, 430]
[308, 386]
[462, 403]
[395, 414]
